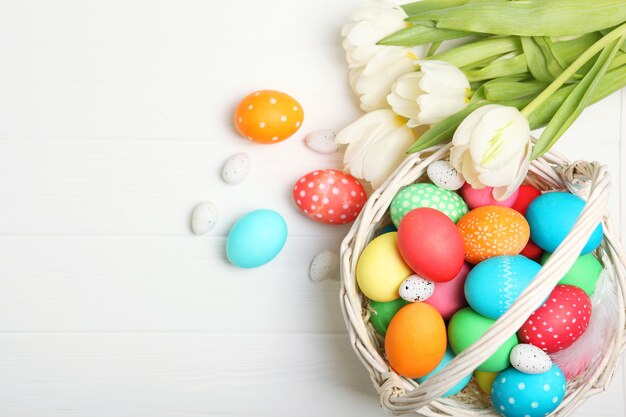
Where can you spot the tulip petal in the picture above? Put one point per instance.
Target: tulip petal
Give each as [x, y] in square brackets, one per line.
[434, 108]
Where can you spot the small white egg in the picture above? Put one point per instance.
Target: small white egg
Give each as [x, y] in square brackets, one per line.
[416, 288]
[443, 175]
[236, 168]
[322, 141]
[325, 265]
[204, 217]
[530, 359]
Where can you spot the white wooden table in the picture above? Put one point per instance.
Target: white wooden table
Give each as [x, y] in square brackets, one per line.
[115, 119]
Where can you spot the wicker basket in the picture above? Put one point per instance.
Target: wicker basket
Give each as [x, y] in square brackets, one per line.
[399, 395]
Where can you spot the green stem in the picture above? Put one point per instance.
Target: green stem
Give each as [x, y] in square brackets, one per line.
[571, 70]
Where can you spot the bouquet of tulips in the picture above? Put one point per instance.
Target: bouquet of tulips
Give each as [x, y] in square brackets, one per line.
[479, 73]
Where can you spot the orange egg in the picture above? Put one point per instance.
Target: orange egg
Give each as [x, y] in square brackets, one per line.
[268, 116]
[493, 231]
[416, 340]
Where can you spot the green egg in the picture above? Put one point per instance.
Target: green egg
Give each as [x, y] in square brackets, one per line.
[466, 326]
[384, 312]
[427, 195]
[583, 274]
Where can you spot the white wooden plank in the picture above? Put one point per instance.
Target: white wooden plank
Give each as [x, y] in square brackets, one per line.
[161, 284]
[173, 375]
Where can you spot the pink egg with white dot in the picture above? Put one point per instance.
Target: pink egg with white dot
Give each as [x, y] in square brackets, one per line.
[479, 197]
[329, 196]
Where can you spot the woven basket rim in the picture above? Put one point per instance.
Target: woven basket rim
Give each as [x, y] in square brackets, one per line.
[399, 395]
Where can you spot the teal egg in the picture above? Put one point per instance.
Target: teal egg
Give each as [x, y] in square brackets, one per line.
[256, 238]
[516, 394]
[552, 216]
[447, 357]
[495, 283]
[427, 195]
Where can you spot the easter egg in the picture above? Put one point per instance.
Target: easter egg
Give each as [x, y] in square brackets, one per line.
[236, 168]
[530, 359]
[532, 251]
[416, 289]
[416, 340]
[494, 284]
[329, 196]
[256, 238]
[449, 297]
[431, 244]
[561, 320]
[466, 327]
[322, 141]
[381, 269]
[551, 217]
[382, 313]
[268, 116]
[583, 274]
[445, 176]
[516, 394]
[426, 195]
[479, 197]
[526, 195]
[485, 380]
[204, 217]
[387, 229]
[492, 231]
[447, 357]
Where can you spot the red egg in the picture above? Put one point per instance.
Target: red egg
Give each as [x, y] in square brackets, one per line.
[479, 197]
[527, 193]
[431, 244]
[560, 321]
[532, 251]
[329, 196]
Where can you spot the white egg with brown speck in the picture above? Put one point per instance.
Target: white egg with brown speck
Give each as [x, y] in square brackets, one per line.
[321, 141]
[530, 359]
[325, 265]
[204, 217]
[416, 289]
[236, 168]
[443, 175]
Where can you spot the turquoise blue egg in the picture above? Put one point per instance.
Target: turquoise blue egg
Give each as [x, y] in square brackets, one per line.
[388, 229]
[256, 238]
[447, 357]
[516, 394]
[551, 217]
[495, 283]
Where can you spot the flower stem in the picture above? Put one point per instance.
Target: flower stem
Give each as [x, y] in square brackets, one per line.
[574, 66]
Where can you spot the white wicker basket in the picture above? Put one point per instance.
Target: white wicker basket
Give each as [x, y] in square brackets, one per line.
[399, 395]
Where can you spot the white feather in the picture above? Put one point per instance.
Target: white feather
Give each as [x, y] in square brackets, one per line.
[602, 326]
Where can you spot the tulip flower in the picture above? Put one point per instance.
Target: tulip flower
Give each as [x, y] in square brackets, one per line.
[377, 144]
[492, 147]
[428, 96]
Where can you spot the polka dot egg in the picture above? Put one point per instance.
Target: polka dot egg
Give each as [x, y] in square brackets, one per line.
[516, 394]
[268, 116]
[329, 196]
[426, 195]
[493, 231]
[561, 320]
[416, 288]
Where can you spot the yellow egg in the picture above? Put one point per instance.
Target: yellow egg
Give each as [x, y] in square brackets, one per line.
[381, 269]
[485, 380]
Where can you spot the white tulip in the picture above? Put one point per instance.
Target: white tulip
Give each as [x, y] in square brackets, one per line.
[370, 24]
[492, 147]
[430, 95]
[377, 144]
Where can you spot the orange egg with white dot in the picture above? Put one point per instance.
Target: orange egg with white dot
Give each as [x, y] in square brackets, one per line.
[268, 116]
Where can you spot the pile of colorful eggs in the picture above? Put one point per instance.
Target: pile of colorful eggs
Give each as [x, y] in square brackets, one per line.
[455, 264]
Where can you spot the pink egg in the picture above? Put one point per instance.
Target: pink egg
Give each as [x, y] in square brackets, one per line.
[560, 321]
[449, 297]
[478, 197]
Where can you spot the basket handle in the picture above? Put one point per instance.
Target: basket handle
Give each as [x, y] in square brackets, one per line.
[398, 401]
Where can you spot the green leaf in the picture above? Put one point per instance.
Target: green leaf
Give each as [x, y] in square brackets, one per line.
[419, 34]
[500, 67]
[478, 51]
[536, 60]
[503, 89]
[576, 101]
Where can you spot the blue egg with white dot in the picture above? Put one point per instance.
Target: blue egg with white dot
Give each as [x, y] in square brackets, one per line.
[447, 357]
[493, 285]
[516, 394]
